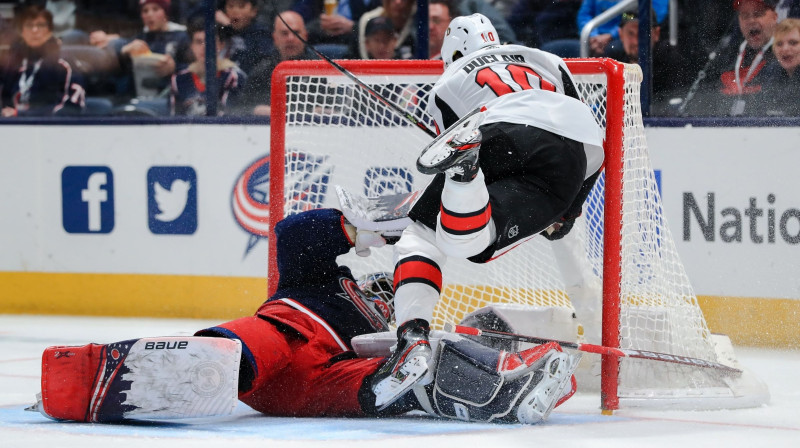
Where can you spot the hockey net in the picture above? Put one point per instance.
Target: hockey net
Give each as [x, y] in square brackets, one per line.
[619, 259]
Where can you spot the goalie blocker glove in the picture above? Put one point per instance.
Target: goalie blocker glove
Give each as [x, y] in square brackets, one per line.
[473, 383]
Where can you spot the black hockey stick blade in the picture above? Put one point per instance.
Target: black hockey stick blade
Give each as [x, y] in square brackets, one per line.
[397, 109]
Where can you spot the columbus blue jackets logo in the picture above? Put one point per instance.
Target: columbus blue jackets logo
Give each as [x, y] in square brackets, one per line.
[306, 179]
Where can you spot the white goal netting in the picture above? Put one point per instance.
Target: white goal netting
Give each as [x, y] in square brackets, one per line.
[337, 133]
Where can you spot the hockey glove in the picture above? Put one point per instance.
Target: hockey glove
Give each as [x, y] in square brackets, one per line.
[559, 229]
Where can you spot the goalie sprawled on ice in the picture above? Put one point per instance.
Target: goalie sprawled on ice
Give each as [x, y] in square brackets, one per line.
[294, 356]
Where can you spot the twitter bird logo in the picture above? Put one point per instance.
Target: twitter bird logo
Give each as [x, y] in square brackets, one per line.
[172, 200]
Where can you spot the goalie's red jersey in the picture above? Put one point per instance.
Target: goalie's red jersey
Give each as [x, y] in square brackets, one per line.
[297, 345]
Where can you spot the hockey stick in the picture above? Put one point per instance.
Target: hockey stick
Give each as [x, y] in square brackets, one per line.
[591, 348]
[399, 110]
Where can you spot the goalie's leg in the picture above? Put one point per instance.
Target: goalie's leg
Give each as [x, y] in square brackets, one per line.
[149, 378]
[478, 383]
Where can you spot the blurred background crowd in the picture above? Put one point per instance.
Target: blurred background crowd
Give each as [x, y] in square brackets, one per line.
[147, 57]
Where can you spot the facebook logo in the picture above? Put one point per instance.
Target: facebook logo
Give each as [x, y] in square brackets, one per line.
[87, 199]
[172, 200]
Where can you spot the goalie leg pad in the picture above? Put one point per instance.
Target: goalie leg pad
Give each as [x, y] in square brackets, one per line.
[478, 383]
[149, 378]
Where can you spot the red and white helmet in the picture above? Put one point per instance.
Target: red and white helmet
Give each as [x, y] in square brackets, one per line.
[467, 34]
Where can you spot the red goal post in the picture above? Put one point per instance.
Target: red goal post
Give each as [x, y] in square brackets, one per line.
[326, 130]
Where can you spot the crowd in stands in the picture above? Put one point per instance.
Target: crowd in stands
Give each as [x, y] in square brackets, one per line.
[147, 57]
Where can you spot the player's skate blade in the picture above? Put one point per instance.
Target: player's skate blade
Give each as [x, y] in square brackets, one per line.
[557, 376]
[458, 145]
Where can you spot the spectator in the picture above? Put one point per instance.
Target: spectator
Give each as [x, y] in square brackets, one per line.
[256, 97]
[333, 34]
[268, 10]
[608, 33]
[782, 86]
[73, 19]
[787, 8]
[188, 92]
[439, 17]
[248, 39]
[733, 81]
[158, 51]
[504, 7]
[37, 81]
[546, 24]
[669, 65]
[401, 14]
[469, 7]
[379, 39]
[703, 25]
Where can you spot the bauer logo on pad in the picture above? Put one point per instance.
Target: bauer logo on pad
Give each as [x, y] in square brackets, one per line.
[87, 199]
[172, 200]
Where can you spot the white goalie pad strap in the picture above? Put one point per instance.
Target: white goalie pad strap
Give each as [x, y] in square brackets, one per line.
[146, 379]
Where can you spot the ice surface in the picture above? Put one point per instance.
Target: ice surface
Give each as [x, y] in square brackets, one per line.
[578, 423]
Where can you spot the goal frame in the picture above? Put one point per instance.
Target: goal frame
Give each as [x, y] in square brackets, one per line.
[613, 165]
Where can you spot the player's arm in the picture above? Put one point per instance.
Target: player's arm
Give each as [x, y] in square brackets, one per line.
[560, 229]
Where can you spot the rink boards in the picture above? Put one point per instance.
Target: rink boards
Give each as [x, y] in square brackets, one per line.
[149, 221]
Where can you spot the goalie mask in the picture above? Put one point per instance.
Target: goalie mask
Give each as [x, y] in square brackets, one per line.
[379, 286]
[465, 35]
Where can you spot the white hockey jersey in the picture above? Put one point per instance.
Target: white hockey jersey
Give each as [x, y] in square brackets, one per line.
[517, 85]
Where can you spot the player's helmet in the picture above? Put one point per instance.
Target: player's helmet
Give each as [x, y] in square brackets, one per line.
[379, 286]
[467, 34]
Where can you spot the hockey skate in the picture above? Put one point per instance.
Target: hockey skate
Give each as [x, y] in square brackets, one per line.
[407, 366]
[555, 384]
[455, 151]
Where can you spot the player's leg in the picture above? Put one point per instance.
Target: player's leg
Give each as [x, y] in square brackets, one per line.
[417, 274]
[267, 349]
[417, 283]
[532, 176]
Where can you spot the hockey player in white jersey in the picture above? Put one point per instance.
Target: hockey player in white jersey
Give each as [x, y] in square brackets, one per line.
[517, 155]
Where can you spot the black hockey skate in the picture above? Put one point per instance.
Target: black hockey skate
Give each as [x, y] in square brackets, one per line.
[455, 151]
[407, 366]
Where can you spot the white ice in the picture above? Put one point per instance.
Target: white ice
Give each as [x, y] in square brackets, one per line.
[578, 423]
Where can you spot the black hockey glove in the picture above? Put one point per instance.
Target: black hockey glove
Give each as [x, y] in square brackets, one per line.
[559, 229]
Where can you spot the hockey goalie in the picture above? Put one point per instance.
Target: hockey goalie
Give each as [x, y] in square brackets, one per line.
[294, 356]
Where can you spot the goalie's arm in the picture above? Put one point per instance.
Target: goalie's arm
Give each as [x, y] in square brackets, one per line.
[308, 244]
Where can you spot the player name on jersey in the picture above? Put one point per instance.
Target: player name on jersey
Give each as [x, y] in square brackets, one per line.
[480, 61]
